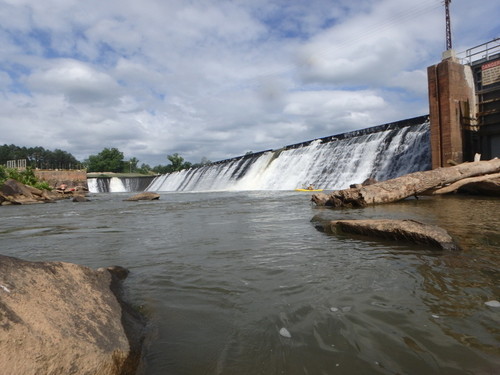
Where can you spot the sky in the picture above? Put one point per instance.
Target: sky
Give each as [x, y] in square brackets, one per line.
[215, 79]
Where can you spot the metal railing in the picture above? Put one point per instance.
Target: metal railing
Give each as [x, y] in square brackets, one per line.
[483, 51]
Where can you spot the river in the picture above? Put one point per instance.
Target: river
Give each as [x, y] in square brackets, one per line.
[221, 274]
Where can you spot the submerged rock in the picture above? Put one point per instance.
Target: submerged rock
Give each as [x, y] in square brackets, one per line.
[62, 318]
[144, 196]
[396, 230]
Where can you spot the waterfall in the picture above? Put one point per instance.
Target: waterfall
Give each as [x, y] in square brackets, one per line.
[118, 184]
[335, 162]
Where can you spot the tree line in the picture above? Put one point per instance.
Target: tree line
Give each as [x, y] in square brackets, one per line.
[38, 157]
[108, 160]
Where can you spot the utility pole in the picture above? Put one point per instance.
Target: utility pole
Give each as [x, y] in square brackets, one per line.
[448, 24]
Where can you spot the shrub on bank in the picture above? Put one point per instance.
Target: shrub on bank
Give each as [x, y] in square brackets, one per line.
[26, 177]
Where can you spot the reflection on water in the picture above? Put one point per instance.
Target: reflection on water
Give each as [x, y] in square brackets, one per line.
[220, 274]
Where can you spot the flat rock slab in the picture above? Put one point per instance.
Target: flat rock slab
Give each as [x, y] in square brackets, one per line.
[145, 196]
[397, 230]
[61, 318]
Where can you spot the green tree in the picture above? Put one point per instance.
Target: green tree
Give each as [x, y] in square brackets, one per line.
[108, 160]
[204, 161]
[38, 157]
[144, 169]
[177, 162]
[132, 165]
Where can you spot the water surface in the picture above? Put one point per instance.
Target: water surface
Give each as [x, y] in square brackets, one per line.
[220, 274]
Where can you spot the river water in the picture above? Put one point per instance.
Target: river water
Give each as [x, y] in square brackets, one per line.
[221, 274]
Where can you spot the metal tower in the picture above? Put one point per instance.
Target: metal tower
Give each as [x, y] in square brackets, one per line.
[448, 24]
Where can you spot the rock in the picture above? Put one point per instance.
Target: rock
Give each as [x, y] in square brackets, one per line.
[320, 199]
[80, 198]
[285, 333]
[396, 230]
[62, 318]
[369, 181]
[14, 192]
[144, 196]
[13, 187]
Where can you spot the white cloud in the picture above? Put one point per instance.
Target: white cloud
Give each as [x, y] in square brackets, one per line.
[216, 78]
[77, 81]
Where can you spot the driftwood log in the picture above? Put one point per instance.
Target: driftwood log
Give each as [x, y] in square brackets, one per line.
[466, 181]
[405, 186]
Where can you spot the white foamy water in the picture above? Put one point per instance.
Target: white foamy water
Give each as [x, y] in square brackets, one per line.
[327, 164]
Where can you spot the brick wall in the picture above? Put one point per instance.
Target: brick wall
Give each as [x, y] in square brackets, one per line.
[71, 178]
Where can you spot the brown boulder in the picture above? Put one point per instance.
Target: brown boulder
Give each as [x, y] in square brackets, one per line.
[14, 192]
[62, 318]
[144, 196]
[396, 230]
[80, 198]
[13, 187]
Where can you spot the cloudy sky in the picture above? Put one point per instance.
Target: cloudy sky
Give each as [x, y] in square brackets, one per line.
[218, 78]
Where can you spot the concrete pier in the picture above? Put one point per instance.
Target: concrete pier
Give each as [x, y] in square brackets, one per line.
[451, 106]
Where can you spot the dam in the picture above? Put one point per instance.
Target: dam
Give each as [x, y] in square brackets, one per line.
[463, 124]
[334, 162]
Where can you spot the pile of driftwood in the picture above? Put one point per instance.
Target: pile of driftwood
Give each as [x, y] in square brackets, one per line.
[479, 175]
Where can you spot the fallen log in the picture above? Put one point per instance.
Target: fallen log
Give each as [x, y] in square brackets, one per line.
[405, 186]
[466, 181]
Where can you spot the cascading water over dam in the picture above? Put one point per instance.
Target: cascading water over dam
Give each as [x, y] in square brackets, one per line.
[382, 152]
[118, 184]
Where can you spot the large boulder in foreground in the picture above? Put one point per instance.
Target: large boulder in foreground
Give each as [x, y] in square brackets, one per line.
[62, 318]
[396, 230]
[144, 196]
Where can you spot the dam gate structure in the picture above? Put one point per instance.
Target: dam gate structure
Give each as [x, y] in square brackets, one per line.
[464, 105]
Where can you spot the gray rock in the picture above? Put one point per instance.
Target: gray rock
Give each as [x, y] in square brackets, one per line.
[80, 198]
[397, 230]
[144, 196]
[62, 318]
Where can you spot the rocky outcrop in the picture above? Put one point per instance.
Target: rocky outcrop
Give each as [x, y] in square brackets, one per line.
[144, 196]
[395, 230]
[14, 192]
[62, 318]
